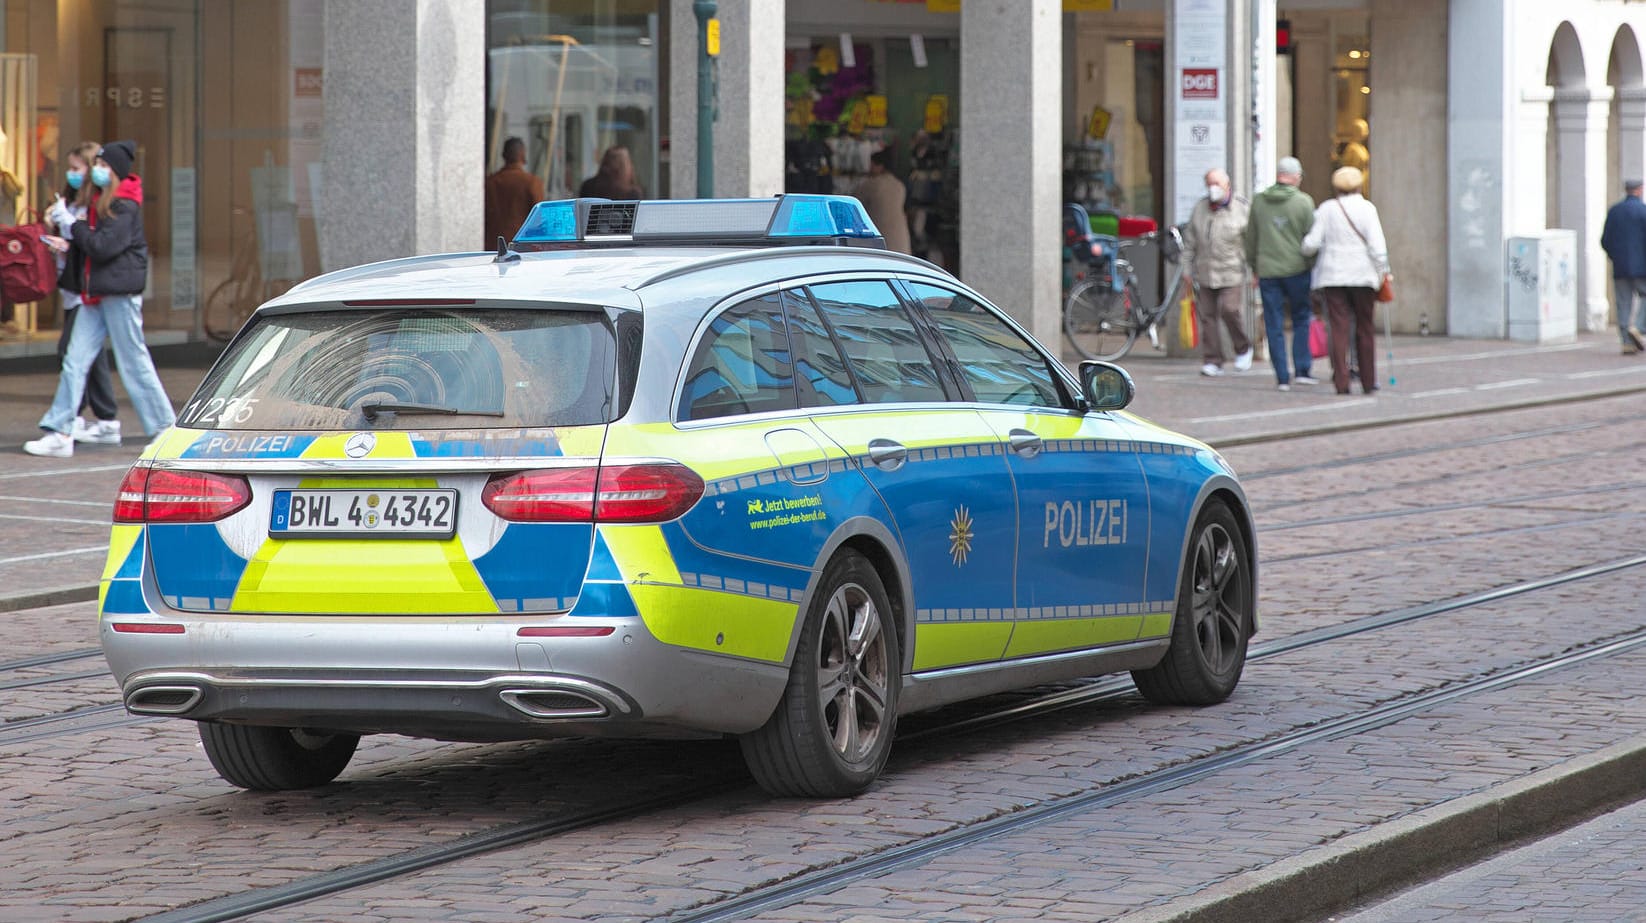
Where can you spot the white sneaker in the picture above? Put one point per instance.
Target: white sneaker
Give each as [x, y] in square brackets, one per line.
[52, 445]
[1283, 387]
[1305, 380]
[97, 432]
[1211, 371]
[1244, 360]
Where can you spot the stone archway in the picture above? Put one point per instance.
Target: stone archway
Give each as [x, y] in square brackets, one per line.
[1626, 137]
[1575, 170]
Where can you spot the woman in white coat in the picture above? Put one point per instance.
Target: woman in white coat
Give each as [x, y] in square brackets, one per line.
[1351, 258]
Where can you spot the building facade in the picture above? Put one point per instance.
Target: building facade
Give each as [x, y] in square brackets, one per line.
[284, 138]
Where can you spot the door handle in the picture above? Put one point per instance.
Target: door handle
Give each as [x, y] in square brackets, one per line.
[887, 454]
[1024, 443]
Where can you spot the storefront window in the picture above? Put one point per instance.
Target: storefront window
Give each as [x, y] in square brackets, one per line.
[1116, 166]
[901, 95]
[223, 101]
[1354, 88]
[572, 79]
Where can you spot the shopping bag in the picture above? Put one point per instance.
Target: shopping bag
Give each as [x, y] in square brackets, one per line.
[1188, 327]
[1319, 345]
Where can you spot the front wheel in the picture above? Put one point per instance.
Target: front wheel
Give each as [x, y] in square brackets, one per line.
[832, 731]
[276, 759]
[1099, 322]
[1213, 622]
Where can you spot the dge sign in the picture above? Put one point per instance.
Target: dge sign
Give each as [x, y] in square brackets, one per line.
[1199, 83]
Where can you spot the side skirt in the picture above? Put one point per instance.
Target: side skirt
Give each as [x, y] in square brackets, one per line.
[922, 691]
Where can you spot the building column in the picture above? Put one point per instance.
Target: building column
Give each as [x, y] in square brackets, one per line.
[748, 134]
[1631, 133]
[405, 96]
[1479, 124]
[1011, 86]
[1580, 124]
[1529, 169]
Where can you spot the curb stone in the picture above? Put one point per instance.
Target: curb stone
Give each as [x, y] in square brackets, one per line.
[1419, 847]
[51, 596]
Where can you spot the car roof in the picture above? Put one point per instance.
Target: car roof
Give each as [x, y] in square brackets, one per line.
[610, 277]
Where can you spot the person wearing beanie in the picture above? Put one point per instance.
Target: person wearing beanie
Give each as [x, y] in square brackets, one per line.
[1351, 259]
[1623, 237]
[114, 266]
[1281, 215]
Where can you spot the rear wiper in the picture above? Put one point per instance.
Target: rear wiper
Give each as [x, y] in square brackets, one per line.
[372, 408]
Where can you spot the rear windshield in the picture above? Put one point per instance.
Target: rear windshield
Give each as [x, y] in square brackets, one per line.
[412, 369]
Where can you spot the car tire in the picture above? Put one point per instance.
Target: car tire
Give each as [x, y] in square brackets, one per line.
[1213, 622]
[832, 730]
[271, 759]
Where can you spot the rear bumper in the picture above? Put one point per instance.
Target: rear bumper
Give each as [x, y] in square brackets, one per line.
[451, 678]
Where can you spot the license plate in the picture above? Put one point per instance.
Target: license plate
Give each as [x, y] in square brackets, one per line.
[361, 513]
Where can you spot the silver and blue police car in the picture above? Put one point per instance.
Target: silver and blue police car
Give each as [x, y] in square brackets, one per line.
[659, 468]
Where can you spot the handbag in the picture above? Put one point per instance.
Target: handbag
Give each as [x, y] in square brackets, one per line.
[27, 270]
[1386, 289]
[1319, 343]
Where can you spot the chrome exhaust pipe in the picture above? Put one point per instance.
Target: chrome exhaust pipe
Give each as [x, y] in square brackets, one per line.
[554, 703]
[164, 700]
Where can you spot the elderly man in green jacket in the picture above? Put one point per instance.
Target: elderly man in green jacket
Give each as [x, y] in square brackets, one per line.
[1280, 218]
[1213, 263]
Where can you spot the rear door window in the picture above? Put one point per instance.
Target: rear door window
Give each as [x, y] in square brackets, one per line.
[821, 376]
[741, 364]
[887, 358]
[327, 370]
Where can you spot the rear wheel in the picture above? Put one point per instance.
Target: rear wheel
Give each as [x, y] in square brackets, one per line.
[1213, 623]
[832, 732]
[1099, 322]
[275, 759]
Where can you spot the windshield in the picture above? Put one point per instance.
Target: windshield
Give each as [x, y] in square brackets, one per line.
[393, 369]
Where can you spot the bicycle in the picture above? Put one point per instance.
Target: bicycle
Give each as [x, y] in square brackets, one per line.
[232, 301]
[1103, 314]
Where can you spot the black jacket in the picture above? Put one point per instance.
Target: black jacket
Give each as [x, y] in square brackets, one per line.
[113, 257]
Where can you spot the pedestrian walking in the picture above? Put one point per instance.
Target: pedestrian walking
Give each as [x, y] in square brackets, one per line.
[510, 194]
[1280, 218]
[884, 196]
[1623, 237]
[615, 179]
[114, 261]
[1351, 259]
[71, 206]
[1214, 262]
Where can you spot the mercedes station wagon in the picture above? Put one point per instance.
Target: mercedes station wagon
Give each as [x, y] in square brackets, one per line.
[657, 469]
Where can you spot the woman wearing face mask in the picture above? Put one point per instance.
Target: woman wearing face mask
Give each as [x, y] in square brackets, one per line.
[114, 265]
[65, 210]
[1214, 261]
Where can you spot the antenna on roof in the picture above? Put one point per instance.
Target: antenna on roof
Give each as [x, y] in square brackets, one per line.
[504, 254]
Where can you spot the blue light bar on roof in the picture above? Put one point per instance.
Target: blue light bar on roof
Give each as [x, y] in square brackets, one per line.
[783, 219]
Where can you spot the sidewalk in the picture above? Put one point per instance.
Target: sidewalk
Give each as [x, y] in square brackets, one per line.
[1432, 377]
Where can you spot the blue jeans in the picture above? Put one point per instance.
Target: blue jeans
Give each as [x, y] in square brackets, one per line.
[120, 318]
[1631, 306]
[1292, 291]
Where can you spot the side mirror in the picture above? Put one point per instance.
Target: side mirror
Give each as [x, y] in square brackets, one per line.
[1106, 386]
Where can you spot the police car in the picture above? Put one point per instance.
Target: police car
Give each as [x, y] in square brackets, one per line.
[659, 468]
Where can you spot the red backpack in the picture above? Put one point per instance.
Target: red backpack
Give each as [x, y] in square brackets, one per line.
[27, 270]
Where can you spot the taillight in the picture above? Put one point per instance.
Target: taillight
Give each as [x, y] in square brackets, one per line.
[158, 495]
[610, 493]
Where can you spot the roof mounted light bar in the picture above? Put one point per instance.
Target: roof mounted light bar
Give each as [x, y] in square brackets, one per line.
[785, 220]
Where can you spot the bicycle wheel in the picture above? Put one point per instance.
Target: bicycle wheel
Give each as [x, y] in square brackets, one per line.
[1099, 322]
[223, 317]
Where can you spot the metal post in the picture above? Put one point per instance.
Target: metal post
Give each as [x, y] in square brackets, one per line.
[708, 48]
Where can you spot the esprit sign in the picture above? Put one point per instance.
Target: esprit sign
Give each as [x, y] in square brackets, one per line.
[1199, 83]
